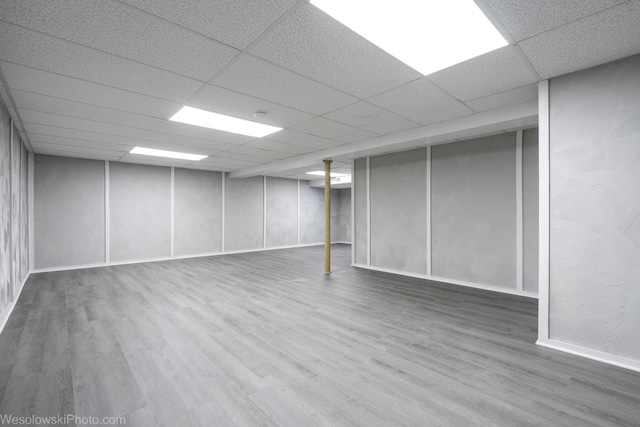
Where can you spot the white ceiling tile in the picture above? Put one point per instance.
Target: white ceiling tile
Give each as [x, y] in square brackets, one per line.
[258, 152]
[267, 144]
[236, 163]
[73, 142]
[243, 157]
[259, 78]
[90, 156]
[594, 40]
[369, 117]
[211, 167]
[219, 19]
[299, 138]
[524, 19]
[317, 46]
[326, 128]
[494, 72]
[37, 81]
[198, 132]
[48, 104]
[37, 146]
[224, 101]
[117, 28]
[36, 117]
[34, 129]
[36, 50]
[422, 102]
[503, 99]
[153, 160]
[183, 141]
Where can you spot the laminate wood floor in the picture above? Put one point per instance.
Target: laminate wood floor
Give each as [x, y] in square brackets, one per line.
[265, 339]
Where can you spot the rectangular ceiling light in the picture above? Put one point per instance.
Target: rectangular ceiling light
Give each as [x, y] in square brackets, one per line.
[170, 154]
[321, 173]
[208, 119]
[427, 35]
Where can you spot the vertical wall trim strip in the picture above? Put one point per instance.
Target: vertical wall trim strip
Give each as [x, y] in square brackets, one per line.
[368, 171]
[107, 213]
[173, 211]
[264, 211]
[353, 211]
[31, 211]
[12, 276]
[544, 213]
[519, 216]
[223, 209]
[428, 216]
[298, 212]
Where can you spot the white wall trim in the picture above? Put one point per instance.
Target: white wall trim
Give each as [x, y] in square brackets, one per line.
[298, 207]
[600, 356]
[519, 215]
[353, 210]
[31, 211]
[7, 314]
[201, 255]
[544, 210]
[223, 211]
[12, 216]
[264, 212]
[428, 213]
[173, 211]
[368, 186]
[107, 213]
[449, 281]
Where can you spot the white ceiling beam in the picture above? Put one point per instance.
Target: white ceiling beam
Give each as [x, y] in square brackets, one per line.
[479, 124]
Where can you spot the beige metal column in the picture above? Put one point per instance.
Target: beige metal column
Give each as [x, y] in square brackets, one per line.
[327, 217]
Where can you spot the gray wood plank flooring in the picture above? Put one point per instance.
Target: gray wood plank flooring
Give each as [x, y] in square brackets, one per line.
[265, 339]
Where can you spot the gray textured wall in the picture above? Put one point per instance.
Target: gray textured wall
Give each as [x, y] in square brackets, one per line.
[359, 188]
[140, 211]
[69, 211]
[474, 210]
[244, 214]
[398, 211]
[530, 209]
[5, 212]
[311, 214]
[282, 212]
[343, 216]
[197, 212]
[14, 254]
[595, 208]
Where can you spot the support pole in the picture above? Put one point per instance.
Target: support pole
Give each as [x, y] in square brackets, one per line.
[327, 217]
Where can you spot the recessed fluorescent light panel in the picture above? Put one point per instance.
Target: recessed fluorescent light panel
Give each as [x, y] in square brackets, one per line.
[321, 173]
[427, 35]
[208, 119]
[170, 154]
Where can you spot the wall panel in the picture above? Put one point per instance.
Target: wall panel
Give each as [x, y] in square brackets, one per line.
[474, 210]
[69, 211]
[311, 214]
[5, 212]
[359, 188]
[140, 211]
[595, 209]
[398, 211]
[282, 212]
[198, 211]
[530, 209]
[244, 214]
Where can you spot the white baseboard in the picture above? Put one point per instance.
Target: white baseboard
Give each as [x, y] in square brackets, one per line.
[7, 314]
[600, 356]
[450, 281]
[140, 261]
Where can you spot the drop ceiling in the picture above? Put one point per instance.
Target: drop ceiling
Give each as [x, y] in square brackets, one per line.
[94, 78]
